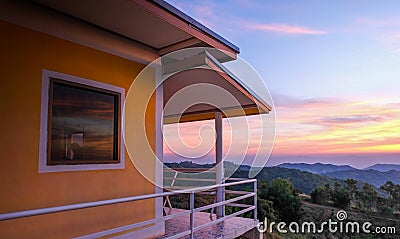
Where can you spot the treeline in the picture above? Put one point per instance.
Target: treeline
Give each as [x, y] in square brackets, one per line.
[365, 199]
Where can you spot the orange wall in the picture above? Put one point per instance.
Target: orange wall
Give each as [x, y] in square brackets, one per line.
[24, 53]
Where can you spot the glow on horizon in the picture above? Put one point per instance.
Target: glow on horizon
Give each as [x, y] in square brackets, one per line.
[323, 126]
[337, 127]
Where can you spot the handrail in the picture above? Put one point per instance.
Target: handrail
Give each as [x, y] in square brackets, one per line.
[190, 212]
[199, 209]
[41, 211]
[190, 170]
[191, 179]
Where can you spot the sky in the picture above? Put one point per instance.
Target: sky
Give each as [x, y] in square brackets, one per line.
[332, 68]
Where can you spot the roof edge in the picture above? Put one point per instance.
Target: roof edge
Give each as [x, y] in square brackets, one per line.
[195, 24]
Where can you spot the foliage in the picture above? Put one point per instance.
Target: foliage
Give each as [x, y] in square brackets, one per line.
[319, 195]
[280, 193]
[340, 197]
[365, 199]
[393, 191]
[265, 209]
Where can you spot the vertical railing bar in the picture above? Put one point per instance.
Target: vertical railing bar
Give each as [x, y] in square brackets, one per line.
[174, 179]
[191, 213]
[255, 199]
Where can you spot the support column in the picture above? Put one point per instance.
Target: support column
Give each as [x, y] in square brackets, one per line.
[159, 151]
[220, 167]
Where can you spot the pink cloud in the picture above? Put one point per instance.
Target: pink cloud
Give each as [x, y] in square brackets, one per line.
[389, 34]
[285, 29]
[381, 22]
[332, 126]
[350, 119]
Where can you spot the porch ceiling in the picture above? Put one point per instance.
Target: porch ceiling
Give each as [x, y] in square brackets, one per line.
[207, 87]
[152, 23]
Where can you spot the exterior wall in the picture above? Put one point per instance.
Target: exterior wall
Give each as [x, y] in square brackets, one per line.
[24, 54]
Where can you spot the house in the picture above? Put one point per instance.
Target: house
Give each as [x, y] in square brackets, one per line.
[80, 148]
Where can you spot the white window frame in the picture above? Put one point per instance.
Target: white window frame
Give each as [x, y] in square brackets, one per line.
[43, 167]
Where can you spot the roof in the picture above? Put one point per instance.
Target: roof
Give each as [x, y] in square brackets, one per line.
[196, 87]
[155, 24]
[194, 23]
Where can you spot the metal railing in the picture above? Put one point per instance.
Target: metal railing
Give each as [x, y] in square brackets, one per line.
[191, 211]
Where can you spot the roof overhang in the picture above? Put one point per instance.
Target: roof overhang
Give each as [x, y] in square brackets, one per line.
[155, 24]
[197, 87]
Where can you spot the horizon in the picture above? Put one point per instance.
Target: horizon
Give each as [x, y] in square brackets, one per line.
[307, 159]
[269, 166]
[331, 71]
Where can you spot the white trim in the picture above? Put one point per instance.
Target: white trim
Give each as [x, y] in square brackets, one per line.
[219, 163]
[43, 167]
[159, 172]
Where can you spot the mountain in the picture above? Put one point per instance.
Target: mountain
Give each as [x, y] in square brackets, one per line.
[376, 175]
[307, 176]
[317, 168]
[371, 176]
[384, 167]
[305, 181]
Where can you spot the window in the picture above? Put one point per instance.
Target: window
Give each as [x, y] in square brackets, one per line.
[83, 124]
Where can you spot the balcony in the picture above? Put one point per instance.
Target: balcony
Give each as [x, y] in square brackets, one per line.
[179, 223]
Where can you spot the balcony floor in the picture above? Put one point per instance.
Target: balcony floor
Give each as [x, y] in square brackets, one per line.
[228, 229]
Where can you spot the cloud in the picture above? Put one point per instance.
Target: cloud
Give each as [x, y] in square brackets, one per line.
[284, 101]
[324, 125]
[351, 119]
[205, 12]
[213, 14]
[308, 126]
[285, 29]
[384, 30]
[391, 41]
[379, 22]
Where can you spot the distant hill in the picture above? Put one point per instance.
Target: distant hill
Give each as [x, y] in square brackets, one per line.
[384, 167]
[189, 164]
[305, 181]
[308, 176]
[376, 174]
[317, 168]
[373, 177]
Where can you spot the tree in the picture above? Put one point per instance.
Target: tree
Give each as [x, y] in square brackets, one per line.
[369, 196]
[340, 198]
[328, 191]
[286, 204]
[351, 187]
[265, 209]
[393, 192]
[277, 199]
[319, 195]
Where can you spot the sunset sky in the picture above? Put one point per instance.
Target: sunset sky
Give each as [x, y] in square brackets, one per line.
[333, 70]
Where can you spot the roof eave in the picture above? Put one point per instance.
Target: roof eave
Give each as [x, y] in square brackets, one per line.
[195, 24]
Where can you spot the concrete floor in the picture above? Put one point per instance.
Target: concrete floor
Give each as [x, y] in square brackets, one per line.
[228, 229]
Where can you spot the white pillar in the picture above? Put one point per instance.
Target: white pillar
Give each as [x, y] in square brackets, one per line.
[159, 151]
[219, 167]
